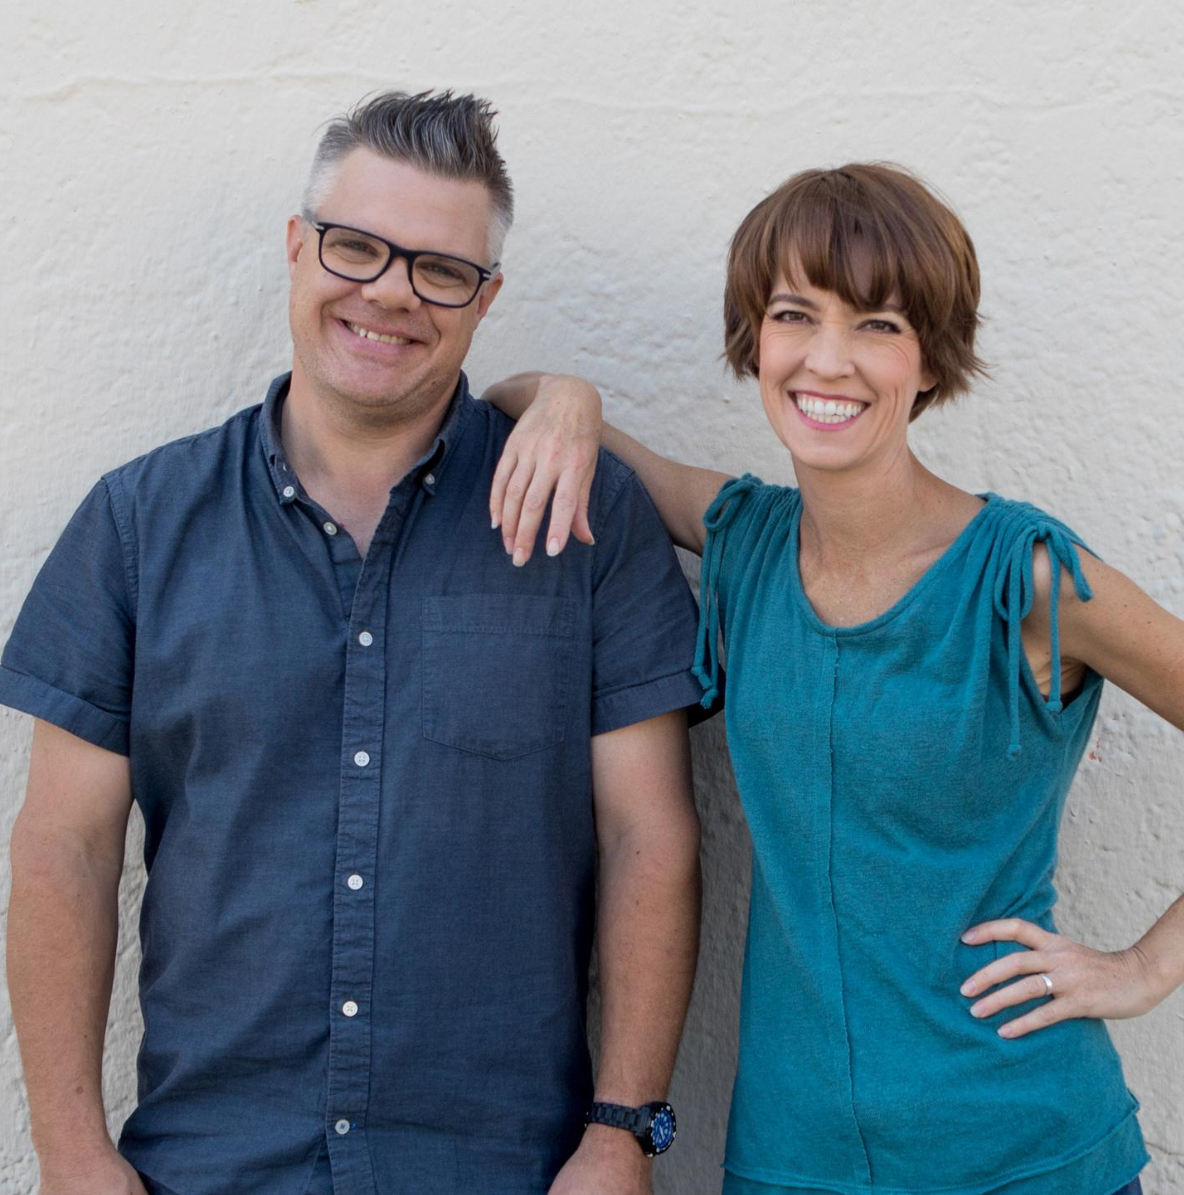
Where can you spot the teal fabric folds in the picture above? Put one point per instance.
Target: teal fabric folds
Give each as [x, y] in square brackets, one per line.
[903, 780]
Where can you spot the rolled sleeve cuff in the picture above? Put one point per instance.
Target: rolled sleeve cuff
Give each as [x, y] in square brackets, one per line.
[32, 696]
[624, 707]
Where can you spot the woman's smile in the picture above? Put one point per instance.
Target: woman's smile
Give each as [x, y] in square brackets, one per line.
[827, 412]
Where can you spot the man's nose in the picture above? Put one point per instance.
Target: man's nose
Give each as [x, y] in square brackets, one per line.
[392, 288]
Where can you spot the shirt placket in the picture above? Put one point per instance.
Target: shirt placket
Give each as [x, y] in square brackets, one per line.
[354, 889]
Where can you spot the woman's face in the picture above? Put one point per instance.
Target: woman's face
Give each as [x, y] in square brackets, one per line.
[837, 383]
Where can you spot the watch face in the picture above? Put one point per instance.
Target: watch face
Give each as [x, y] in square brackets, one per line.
[662, 1129]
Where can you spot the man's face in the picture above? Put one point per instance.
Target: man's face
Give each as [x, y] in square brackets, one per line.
[405, 377]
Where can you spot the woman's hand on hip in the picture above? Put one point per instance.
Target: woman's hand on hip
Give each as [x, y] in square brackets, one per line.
[1071, 980]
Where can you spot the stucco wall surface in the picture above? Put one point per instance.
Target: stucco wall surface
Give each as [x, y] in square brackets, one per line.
[151, 153]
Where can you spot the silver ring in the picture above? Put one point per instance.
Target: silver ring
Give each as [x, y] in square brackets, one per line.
[1047, 983]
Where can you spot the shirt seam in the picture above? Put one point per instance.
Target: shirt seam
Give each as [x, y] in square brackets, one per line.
[605, 694]
[992, 1186]
[127, 541]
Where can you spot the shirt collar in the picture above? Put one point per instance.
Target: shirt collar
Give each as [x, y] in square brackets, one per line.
[428, 469]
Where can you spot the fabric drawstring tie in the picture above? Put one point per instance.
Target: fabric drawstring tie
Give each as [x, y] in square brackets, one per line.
[715, 518]
[1014, 594]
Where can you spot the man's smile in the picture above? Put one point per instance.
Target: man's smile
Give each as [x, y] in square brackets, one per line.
[370, 334]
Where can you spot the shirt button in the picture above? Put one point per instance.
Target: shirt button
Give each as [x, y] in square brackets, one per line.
[289, 491]
[430, 479]
[365, 638]
[342, 1127]
[362, 759]
[350, 1008]
[355, 882]
[330, 528]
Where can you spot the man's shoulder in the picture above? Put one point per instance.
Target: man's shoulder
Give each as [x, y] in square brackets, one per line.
[612, 474]
[188, 462]
[613, 477]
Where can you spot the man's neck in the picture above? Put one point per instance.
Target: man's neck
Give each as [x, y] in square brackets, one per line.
[348, 461]
[359, 453]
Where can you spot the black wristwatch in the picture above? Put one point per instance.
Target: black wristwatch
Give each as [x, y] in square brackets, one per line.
[652, 1124]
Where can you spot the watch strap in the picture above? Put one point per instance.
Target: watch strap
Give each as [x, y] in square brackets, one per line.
[619, 1116]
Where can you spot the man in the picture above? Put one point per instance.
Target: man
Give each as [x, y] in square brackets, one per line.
[377, 762]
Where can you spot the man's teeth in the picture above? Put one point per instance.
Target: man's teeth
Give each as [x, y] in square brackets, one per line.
[827, 410]
[366, 334]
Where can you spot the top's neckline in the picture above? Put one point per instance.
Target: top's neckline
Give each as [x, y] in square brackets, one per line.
[906, 599]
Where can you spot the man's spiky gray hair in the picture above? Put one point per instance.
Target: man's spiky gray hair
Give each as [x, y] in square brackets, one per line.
[452, 136]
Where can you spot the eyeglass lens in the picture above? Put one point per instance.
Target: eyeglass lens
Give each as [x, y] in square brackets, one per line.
[359, 257]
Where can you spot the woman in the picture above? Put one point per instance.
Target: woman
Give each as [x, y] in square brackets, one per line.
[913, 672]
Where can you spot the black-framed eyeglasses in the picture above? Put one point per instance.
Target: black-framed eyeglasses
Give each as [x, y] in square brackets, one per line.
[360, 256]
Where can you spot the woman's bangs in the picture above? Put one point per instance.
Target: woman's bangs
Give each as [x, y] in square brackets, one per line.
[840, 249]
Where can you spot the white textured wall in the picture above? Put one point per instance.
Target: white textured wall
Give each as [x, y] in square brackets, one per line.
[150, 154]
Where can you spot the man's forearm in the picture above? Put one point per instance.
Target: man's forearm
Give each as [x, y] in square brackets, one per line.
[648, 945]
[62, 929]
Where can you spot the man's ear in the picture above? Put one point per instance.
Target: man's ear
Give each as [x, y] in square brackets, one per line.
[487, 295]
[294, 239]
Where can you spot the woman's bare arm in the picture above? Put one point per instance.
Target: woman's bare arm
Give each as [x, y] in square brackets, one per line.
[553, 452]
[1131, 640]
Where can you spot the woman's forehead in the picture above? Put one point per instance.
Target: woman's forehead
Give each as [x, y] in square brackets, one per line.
[855, 274]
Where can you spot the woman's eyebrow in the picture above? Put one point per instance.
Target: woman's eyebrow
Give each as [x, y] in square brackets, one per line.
[783, 296]
[786, 297]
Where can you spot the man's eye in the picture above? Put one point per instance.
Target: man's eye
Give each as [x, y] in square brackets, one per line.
[440, 271]
[354, 248]
[362, 248]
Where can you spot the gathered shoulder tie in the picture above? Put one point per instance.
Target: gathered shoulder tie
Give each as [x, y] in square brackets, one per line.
[716, 519]
[1014, 594]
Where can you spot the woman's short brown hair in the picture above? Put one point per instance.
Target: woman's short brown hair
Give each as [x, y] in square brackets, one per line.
[873, 234]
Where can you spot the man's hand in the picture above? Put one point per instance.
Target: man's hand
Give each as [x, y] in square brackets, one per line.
[107, 1175]
[608, 1162]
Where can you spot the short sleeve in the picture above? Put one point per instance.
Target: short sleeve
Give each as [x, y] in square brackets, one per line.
[644, 616]
[740, 511]
[70, 657]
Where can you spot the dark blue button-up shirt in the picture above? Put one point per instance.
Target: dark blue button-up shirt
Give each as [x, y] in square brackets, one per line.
[366, 790]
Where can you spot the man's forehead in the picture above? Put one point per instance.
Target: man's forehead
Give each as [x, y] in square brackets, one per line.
[405, 203]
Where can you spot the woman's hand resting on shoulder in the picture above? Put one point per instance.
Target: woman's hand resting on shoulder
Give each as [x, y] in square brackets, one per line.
[1078, 981]
[550, 455]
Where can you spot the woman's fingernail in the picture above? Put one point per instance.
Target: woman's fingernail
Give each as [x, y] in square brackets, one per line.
[591, 541]
[976, 1010]
[1006, 1031]
[968, 937]
[509, 544]
[968, 988]
[495, 521]
[552, 547]
[519, 557]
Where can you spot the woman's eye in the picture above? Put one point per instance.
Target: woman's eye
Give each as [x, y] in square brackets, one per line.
[881, 325]
[788, 317]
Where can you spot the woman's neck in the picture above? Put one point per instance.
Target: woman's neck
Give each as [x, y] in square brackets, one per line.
[892, 507]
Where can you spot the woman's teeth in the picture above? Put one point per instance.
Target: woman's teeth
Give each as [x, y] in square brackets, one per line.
[827, 410]
[366, 334]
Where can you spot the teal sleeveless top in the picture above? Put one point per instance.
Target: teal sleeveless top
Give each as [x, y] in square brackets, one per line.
[902, 780]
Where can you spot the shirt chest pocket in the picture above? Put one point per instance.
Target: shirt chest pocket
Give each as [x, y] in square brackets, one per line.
[497, 672]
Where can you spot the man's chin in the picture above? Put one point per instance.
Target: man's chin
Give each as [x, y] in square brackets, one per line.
[402, 404]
